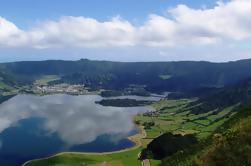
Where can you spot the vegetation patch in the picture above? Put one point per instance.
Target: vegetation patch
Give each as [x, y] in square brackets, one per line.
[168, 144]
[165, 77]
[127, 158]
[124, 102]
[229, 145]
[45, 79]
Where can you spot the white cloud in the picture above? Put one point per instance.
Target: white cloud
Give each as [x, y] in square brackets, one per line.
[184, 26]
[226, 20]
[10, 35]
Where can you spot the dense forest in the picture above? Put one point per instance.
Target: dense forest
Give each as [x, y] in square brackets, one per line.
[155, 76]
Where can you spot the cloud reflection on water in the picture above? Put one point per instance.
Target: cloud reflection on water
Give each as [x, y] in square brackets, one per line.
[76, 119]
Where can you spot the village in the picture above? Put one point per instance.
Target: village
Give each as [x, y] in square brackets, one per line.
[154, 113]
[61, 88]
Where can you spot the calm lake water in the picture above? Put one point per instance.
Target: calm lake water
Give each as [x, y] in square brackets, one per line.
[39, 126]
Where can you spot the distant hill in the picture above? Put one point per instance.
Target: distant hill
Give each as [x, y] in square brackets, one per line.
[217, 100]
[155, 76]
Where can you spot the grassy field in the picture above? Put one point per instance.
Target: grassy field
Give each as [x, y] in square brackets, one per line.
[155, 162]
[43, 80]
[127, 158]
[174, 118]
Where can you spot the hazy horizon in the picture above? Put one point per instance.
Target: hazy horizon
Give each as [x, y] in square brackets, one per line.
[39, 60]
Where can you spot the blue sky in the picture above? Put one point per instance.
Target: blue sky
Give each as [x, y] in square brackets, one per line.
[25, 12]
[124, 30]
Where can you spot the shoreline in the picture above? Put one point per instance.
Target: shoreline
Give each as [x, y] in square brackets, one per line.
[134, 138]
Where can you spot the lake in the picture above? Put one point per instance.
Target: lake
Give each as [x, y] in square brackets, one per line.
[39, 126]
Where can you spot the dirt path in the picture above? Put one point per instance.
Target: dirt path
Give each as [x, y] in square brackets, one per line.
[145, 162]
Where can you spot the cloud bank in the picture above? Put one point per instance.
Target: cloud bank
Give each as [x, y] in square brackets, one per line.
[182, 25]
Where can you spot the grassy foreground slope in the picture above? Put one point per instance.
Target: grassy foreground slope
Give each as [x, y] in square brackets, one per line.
[230, 145]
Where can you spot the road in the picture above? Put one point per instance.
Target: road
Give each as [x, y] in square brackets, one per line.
[145, 162]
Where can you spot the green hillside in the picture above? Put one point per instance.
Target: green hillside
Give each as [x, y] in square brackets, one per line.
[219, 121]
[155, 76]
[230, 145]
[218, 100]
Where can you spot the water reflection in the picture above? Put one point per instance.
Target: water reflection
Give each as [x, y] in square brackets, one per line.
[38, 126]
[76, 119]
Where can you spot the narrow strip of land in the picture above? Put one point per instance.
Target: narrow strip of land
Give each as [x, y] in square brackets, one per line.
[135, 138]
